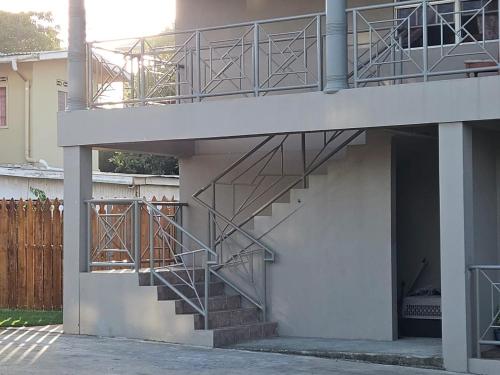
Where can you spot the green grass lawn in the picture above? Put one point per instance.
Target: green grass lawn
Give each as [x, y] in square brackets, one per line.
[28, 318]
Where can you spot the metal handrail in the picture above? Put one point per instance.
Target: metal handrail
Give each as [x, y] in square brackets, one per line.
[184, 263]
[484, 329]
[232, 225]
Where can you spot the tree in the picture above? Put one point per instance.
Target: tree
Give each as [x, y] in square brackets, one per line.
[121, 162]
[28, 32]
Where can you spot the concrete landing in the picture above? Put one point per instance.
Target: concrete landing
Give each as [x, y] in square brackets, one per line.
[413, 352]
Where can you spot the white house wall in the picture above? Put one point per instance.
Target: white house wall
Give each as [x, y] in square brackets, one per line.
[19, 187]
[305, 292]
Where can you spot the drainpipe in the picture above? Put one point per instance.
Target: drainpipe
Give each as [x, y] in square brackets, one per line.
[77, 92]
[27, 114]
[336, 46]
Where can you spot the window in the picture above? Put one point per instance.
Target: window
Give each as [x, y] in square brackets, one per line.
[62, 100]
[445, 18]
[3, 106]
[473, 20]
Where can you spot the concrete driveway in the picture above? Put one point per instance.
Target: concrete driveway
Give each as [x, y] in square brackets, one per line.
[46, 351]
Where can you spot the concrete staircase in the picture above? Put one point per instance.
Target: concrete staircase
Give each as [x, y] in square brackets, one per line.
[230, 319]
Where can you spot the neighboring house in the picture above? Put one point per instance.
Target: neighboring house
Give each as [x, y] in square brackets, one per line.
[33, 88]
[21, 181]
[341, 176]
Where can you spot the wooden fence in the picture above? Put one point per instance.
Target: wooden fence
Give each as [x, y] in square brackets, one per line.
[31, 254]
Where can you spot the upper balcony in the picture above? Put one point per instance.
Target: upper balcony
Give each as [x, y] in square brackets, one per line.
[388, 44]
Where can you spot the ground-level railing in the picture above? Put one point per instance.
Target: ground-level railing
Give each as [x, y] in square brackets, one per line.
[392, 43]
[149, 237]
[485, 299]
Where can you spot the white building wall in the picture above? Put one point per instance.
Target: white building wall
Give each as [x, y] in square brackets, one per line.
[19, 187]
[333, 274]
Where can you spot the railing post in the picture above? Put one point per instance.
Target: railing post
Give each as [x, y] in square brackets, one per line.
[151, 246]
[89, 237]
[256, 59]
[137, 231]
[319, 52]
[207, 284]
[303, 155]
[264, 286]
[478, 312]
[142, 75]
[355, 47]
[425, 51]
[198, 63]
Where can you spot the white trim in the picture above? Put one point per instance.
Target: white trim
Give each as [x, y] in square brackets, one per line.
[34, 56]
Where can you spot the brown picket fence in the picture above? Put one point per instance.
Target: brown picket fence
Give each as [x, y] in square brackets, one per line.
[31, 254]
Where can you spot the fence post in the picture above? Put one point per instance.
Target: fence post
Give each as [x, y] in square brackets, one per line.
[151, 246]
[137, 238]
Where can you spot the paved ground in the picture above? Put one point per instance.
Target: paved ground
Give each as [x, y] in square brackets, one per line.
[416, 352]
[46, 351]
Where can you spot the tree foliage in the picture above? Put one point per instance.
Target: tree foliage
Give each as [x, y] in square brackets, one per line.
[121, 162]
[28, 32]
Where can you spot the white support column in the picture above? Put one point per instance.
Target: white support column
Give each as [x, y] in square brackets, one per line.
[77, 56]
[77, 189]
[77, 176]
[456, 220]
[336, 45]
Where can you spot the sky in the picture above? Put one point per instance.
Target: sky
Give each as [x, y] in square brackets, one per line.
[106, 19]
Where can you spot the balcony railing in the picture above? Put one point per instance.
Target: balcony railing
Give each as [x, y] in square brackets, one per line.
[392, 43]
[485, 308]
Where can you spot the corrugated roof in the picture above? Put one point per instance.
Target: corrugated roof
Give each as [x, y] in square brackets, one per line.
[33, 56]
[29, 171]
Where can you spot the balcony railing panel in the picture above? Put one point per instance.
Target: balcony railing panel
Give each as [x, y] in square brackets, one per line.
[393, 43]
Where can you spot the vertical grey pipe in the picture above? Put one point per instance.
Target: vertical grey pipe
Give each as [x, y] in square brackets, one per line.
[76, 56]
[336, 45]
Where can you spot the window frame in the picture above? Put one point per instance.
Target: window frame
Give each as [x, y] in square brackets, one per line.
[457, 6]
[59, 90]
[4, 85]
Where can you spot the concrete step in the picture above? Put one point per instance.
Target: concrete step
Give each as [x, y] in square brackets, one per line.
[228, 318]
[216, 303]
[165, 293]
[172, 276]
[232, 335]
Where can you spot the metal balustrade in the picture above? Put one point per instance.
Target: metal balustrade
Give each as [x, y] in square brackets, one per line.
[247, 59]
[115, 243]
[485, 300]
[421, 40]
[390, 43]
